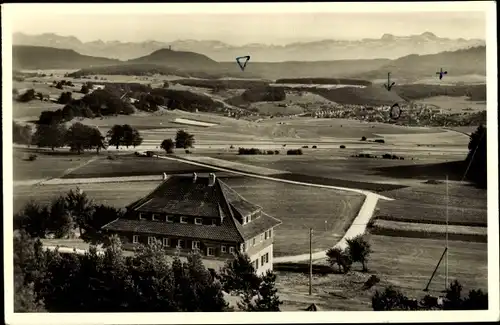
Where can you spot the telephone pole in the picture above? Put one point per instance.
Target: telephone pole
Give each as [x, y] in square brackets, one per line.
[446, 260]
[310, 261]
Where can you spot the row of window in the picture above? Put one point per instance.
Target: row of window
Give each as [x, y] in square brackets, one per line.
[264, 259]
[169, 218]
[181, 243]
[249, 218]
[260, 238]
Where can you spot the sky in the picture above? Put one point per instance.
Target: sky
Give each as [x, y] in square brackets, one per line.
[239, 29]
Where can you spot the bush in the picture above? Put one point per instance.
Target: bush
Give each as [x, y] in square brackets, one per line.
[379, 140]
[294, 152]
[342, 146]
[251, 151]
[386, 156]
[270, 152]
[305, 147]
[363, 138]
[187, 151]
[372, 280]
[314, 147]
[111, 157]
[276, 152]
[32, 157]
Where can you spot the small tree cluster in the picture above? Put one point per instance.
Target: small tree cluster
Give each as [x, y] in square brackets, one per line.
[168, 145]
[258, 293]
[184, 139]
[358, 249]
[65, 98]
[124, 135]
[21, 134]
[27, 96]
[78, 137]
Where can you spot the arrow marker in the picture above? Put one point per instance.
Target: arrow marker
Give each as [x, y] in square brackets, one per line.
[388, 86]
[242, 66]
[441, 73]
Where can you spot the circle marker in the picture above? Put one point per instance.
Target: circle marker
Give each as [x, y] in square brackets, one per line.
[395, 112]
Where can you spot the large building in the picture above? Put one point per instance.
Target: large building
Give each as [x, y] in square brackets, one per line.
[187, 213]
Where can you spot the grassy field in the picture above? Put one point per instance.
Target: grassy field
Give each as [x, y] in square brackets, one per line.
[130, 165]
[406, 263]
[31, 111]
[46, 165]
[454, 104]
[298, 207]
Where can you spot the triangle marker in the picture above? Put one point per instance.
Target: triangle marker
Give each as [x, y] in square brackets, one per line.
[242, 66]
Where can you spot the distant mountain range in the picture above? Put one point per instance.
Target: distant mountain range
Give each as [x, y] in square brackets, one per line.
[388, 46]
[185, 64]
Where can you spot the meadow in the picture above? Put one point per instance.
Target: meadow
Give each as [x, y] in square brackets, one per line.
[454, 104]
[405, 263]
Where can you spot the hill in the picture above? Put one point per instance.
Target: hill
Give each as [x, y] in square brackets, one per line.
[324, 81]
[387, 46]
[177, 59]
[461, 62]
[37, 57]
[373, 95]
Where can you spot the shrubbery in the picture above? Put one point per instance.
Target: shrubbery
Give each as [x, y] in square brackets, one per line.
[294, 152]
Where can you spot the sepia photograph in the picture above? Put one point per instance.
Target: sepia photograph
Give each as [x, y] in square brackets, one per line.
[241, 157]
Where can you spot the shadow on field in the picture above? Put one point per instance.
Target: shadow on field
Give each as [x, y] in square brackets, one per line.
[454, 169]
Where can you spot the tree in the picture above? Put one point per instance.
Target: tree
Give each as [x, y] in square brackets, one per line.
[184, 139]
[84, 89]
[78, 137]
[359, 249]
[61, 223]
[267, 296]
[477, 157]
[96, 139]
[33, 219]
[389, 299]
[50, 135]
[65, 98]
[80, 207]
[340, 257]
[238, 275]
[131, 137]
[27, 96]
[115, 135]
[93, 223]
[168, 145]
[21, 134]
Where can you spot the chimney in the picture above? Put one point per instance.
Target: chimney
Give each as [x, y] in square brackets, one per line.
[195, 177]
[211, 179]
[164, 176]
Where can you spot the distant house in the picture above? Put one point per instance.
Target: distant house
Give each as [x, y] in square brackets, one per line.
[95, 87]
[187, 213]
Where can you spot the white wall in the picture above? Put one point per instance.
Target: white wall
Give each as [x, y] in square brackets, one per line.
[267, 266]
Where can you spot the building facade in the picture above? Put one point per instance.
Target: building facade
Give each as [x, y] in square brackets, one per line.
[188, 213]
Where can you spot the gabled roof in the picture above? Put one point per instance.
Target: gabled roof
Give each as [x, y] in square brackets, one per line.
[182, 195]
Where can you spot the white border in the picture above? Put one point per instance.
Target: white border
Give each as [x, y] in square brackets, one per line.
[8, 13]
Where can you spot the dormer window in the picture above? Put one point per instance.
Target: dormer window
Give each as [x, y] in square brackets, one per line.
[184, 220]
[198, 221]
[246, 220]
[170, 219]
[141, 216]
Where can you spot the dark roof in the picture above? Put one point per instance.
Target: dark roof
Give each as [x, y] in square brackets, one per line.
[225, 232]
[258, 226]
[181, 195]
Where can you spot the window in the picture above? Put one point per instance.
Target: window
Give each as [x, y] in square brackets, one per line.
[267, 257]
[246, 220]
[261, 237]
[195, 244]
[262, 258]
[151, 240]
[198, 221]
[270, 233]
[140, 216]
[184, 220]
[223, 249]
[166, 242]
[253, 242]
[154, 217]
[249, 218]
[256, 262]
[231, 250]
[135, 239]
[180, 243]
[265, 235]
[210, 251]
[170, 219]
[242, 247]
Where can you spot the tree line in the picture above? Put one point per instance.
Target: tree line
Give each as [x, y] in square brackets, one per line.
[79, 137]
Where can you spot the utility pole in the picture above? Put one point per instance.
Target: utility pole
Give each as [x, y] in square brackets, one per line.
[310, 261]
[446, 260]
